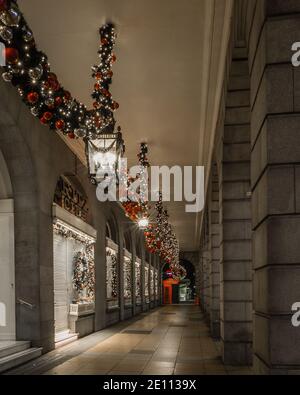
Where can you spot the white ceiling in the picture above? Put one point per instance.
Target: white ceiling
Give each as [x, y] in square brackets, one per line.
[168, 77]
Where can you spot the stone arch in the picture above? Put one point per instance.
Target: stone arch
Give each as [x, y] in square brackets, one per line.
[112, 228]
[24, 190]
[7, 261]
[6, 191]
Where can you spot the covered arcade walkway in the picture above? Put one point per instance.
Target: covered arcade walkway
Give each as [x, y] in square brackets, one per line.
[169, 340]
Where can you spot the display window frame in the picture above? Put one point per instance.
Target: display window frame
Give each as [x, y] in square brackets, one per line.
[138, 281]
[71, 232]
[112, 272]
[147, 283]
[128, 277]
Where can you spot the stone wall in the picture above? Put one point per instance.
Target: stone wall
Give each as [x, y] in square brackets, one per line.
[275, 179]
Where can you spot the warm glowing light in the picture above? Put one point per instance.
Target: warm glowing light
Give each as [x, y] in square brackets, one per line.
[143, 223]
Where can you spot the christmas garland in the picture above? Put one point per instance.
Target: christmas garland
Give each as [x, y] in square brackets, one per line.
[133, 209]
[68, 233]
[28, 70]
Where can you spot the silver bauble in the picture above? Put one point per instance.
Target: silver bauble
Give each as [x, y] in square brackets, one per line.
[7, 77]
[6, 33]
[34, 111]
[49, 102]
[10, 17]
[81, 132]
[28, 36]
[36, 72]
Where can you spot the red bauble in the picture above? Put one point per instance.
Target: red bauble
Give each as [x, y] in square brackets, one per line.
[3, 5]
[96, 104]
[67, 95]
[104, 41]
[47, 115]
[97, 87]
[98, 76]
[60, 124]
[115, 105]
[113, 58]
[52, 76]
[33, 97]
[54, 84]
[71, 135]
[43, 120]
[11, 55]
[58, 101]
[110, 74]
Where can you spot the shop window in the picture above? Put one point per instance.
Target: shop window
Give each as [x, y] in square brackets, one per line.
[112, 275]
[74, 266]
[138, 287]
[156, 284]
[151, 284]
[147, 299]
[127, 278]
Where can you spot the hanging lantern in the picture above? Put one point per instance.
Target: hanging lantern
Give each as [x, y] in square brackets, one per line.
[103, 155]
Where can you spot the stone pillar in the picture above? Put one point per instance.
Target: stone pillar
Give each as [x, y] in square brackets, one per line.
[275, 176]
[206, 264]
[214, 255]
[235, 215]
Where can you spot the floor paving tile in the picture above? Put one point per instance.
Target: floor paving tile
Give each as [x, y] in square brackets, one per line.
[178, 343]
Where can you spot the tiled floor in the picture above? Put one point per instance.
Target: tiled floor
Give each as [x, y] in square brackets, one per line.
[170, 340]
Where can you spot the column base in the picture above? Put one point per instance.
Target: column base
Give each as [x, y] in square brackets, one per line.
[237, 354]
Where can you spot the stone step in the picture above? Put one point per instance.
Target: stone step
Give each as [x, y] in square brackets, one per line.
[64, 338]
[16, 359]
[12, 347]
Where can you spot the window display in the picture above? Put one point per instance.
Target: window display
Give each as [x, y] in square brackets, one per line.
[112, 271]
[74, 273]
[127, 278]
[147, 299]
[152, 283]
[156, 284]
[138, 292]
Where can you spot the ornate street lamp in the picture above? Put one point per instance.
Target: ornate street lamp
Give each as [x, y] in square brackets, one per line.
[103, 155]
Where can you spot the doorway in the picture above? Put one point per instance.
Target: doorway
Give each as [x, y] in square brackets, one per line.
[7, 259]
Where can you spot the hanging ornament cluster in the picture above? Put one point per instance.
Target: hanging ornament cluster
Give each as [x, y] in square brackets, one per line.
[161, 239]
[101, 118]
[29, 71]
[134, 210]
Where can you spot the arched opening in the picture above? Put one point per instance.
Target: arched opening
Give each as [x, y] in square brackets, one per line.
[179, 291]
[112, 271]
[7, 254]
[74, 268]
[138, 274]
[128, 275]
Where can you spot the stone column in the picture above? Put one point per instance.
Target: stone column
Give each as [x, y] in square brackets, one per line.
[235, 214]
[275, 159]
[214, 255]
